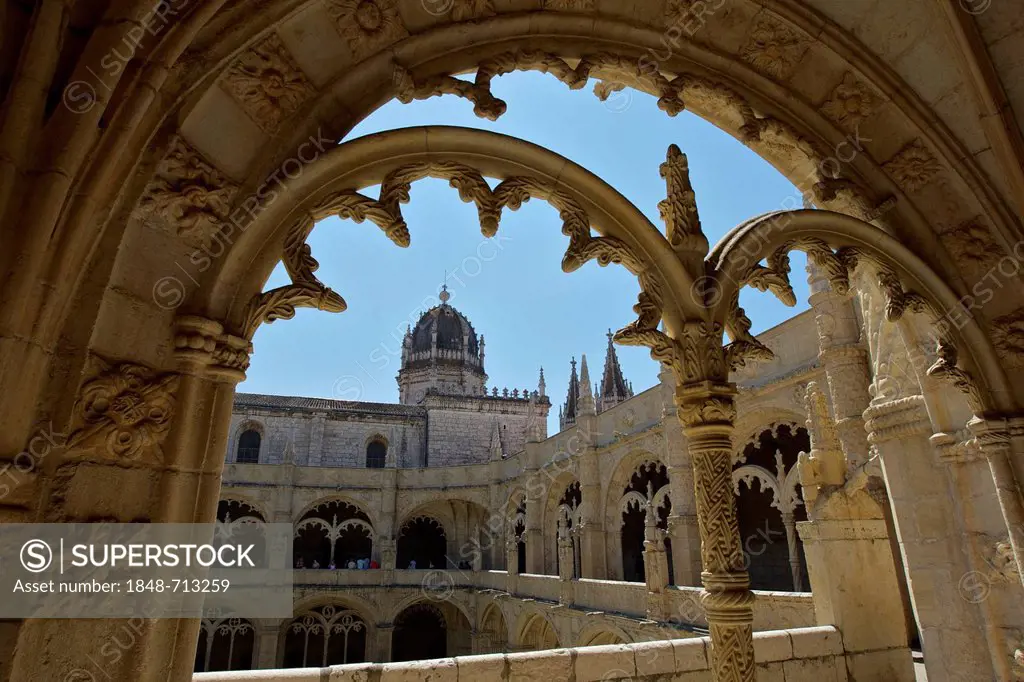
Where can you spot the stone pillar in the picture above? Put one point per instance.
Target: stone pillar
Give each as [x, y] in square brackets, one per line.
[683, 529]
[565, 564]
[708, 413]
[953, 635]
[384, 633]
[153, 451]
[794, 551]
[845, 362]
[655, 566]
[268, 634]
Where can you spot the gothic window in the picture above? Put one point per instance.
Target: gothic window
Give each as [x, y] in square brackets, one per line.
[225, 644]
[648, 488]
[569, 517]
[239, 521]
[376, 454]
[332, 533]
[249, 447]
[769, 504]
[325, 636]
[422, 540]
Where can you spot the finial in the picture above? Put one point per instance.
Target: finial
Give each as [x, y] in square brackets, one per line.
[444, 295]
[610, 335]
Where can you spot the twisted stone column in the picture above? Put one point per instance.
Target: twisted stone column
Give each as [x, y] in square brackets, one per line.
[708, 412]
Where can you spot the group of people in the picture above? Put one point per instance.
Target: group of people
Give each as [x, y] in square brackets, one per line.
[353, 564]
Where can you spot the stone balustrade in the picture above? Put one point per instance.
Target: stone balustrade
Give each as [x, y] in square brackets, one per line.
[772, 610]
[796, 655]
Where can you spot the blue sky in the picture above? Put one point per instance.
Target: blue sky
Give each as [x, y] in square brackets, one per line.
[512, 288]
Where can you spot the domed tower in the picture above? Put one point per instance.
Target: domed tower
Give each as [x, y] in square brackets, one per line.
[441, 355]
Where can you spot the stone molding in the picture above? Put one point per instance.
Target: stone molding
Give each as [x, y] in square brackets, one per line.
[900, 418]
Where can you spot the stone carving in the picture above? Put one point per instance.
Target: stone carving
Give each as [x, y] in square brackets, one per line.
[619, 72]
[913, 167]
[305, 290]
[971, 243]
[1008, 337]
[570, 5]
[268, 84]
[825, 465]
[203, 342]
[945, 367]
[367, 25]
[124, 408]
[774, 48]
[851, 102]
[471, 9]
[679, 209]
[188, 194]
[1003, 563]
[744, 348]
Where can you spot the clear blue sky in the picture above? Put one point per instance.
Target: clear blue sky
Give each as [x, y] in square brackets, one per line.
[513, 291]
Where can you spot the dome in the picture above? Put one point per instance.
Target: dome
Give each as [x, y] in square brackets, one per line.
[451, 327]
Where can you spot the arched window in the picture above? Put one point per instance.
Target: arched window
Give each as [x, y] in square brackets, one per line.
[249, 447]
[376, 453]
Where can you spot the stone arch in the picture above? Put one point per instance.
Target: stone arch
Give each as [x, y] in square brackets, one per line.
[325, 634]
[769, 504]
[534, 631]
[750, 424]
[338, 497]
[492, 632]
[333, 534]
[245, 504]
[793, 112]
[424, 540]
[600, 634]
[225, 644]
[556, 489]
[99, 153]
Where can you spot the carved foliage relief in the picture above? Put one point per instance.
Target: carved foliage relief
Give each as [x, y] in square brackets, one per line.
[851, 102]
[267, 83]
[367, 25]
[125, 409]
[187, 194]
[913, 167]
[774, 48]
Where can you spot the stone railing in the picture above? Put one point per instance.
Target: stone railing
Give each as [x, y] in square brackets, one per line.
[798, 655]
[772, 610]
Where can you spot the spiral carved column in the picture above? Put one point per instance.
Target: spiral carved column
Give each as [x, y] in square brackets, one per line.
[708, 414]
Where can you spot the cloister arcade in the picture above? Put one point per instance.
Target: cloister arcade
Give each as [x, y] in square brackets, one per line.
[899, 122]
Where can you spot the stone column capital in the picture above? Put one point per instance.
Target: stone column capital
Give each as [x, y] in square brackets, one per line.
[895, 419]
[202, 348]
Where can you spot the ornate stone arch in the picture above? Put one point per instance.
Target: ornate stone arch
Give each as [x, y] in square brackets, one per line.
[337, 497]
[602, 633]
[256, 507]
[618, 480]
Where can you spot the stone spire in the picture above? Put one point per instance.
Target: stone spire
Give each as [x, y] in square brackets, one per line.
[542, 387]
[586, 404]
[614, 388]
[567, 415]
